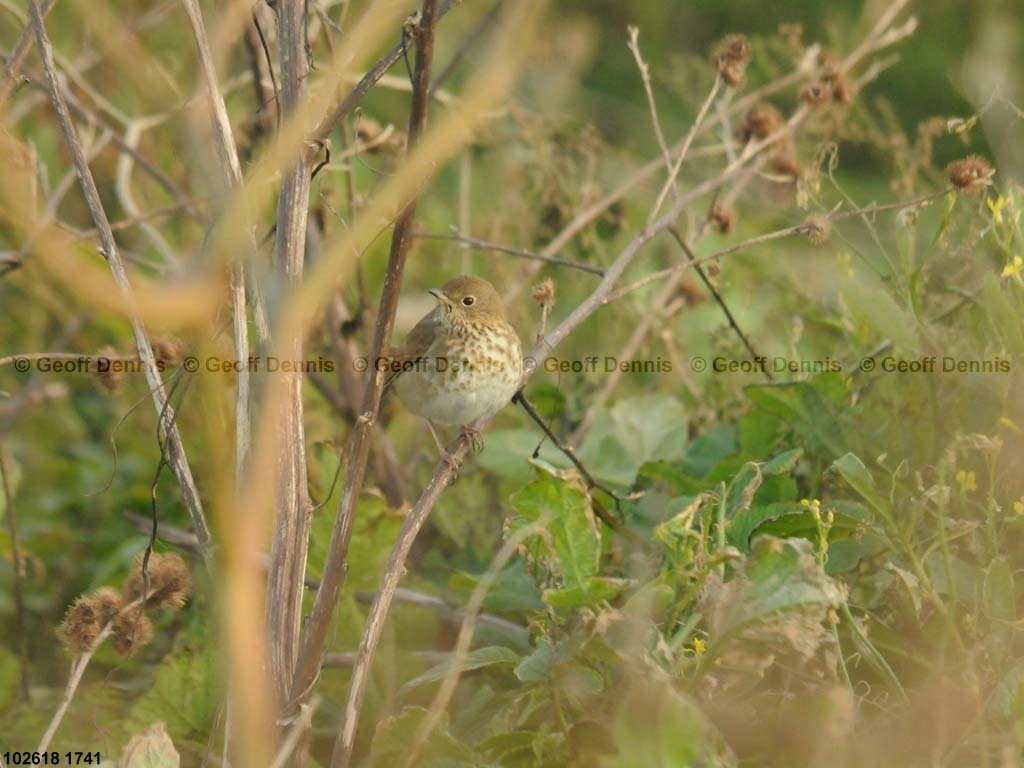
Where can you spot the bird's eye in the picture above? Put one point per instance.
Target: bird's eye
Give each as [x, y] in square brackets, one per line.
[468, 301]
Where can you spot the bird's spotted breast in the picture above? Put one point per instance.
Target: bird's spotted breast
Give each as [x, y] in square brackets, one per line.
[469, 372]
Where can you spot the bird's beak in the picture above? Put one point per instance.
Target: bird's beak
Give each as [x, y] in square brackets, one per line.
[443, 300]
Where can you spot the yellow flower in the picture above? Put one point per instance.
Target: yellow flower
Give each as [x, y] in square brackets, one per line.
[996, 206]
[699, 646]
[967, 481]
[1015, 268]
[1018, 506]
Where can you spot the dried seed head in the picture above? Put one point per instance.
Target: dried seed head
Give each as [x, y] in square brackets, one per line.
[731, 58]
[108, 603]
[131, 630]
[970, 174]
[723, 220]
[783, 159]
[170, 581]
[817, 228]
[107, 372]
[691, 293]
[816, 93]
[368, 130]
[544, 292]
[762, 121]
[81, 625]
[841, 92]
[168, 350]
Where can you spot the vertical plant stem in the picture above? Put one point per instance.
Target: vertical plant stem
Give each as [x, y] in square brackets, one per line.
[293, 510]
[336, 566]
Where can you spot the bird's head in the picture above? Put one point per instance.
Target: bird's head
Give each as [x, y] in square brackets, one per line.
[469, 299]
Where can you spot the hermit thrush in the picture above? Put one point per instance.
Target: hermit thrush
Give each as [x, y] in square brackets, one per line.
[462, 362]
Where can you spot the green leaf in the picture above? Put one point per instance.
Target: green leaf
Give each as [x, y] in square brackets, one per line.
[853, 471]
[657, 726]
[152, 748]
[810, 408]
[395, 735]
[709, 450]
[185, 695]
[569, 521]
[373, 533]
[743, 525]
[998, 593]
[492, 655]
[507, 453]
[537, 666]
[597, 590]
[759, 432]
[632, 432]
[845, 554]
[782, 463]
[780, 575]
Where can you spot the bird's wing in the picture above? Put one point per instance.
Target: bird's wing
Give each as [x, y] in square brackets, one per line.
[416, 344]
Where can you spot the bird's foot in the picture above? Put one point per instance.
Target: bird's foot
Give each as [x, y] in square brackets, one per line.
[454, 462]
[474, 436]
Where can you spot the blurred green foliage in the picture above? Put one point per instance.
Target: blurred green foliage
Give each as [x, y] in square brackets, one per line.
[821, 569]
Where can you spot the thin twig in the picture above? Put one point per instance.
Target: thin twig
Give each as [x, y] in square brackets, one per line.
[344, 107]
[12, 67]
[485, 245]
[467, 43]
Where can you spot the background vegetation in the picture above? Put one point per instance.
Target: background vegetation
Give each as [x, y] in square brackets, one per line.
[817, 569]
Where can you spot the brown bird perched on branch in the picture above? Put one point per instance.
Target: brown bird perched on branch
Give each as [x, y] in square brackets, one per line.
[462, 362]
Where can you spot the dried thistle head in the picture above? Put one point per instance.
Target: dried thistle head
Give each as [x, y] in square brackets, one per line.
[544, 292]
[842, 93]
[970, 174]
[722, 219]
[170, 581]
[81, 624]
[108, 603]
[131, 630]
[818, 228]
[762, 121]
[168, 350]
[691, 293]
[107, 373]
[783, 159]
[731, 58]
[376, 138]
[816, 93]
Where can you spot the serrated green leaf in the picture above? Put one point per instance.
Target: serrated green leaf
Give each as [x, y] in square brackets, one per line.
[568, 518]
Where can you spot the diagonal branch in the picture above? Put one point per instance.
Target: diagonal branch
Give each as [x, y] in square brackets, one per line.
[176, 450]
